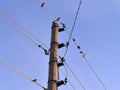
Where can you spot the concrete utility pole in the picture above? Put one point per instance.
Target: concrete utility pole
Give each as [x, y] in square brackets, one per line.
[53, 62]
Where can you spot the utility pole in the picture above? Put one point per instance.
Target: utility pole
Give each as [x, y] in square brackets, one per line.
[53, 62]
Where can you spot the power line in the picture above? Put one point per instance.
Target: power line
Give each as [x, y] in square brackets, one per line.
[75, 76]
[28, 34]
[74, 23]
[23, 28]
[18, 30]
[26, 37]
[43, 4]
[68, 80]
[95, 73]
[21, 73]
[53, 51]
[23, 33]
[90, 66]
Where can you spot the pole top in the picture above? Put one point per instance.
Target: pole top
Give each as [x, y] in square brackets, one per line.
[54, 24]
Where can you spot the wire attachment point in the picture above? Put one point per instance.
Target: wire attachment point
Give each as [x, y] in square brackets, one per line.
[46, 52]
[58, 19]
[62, 82]
[67, 44]
[64, 26]
[65, 81]
[62, 62]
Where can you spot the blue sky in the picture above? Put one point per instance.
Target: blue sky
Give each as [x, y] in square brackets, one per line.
[97, 32]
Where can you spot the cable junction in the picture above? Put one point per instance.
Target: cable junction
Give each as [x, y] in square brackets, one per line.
[21, 73]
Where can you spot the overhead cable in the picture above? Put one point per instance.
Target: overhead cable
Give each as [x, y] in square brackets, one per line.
[23, 28]
[75, 76]
[43, 5]
[25, 35]
[21, 73]
[95, 73]
[28, 34]
[90, 66]
[74, 23]
[68, 80]
[24, 32]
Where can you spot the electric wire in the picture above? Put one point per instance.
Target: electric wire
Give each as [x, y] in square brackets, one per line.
[21, 73]
[66, 71]
[28, 34]
[22, 33]
[95, 73]
[18, 30]
[89, 65]
[23, 28]
[25, 36]
[59, 20]
[45, 45]
[43, 4]
[28, 38]
[36, 39]
[68, 80]
[75, 76]
[74, 23]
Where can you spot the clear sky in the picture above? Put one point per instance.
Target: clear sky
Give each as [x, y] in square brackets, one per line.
[97, 31]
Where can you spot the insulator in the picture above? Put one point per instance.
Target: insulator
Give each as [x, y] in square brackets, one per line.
[46, 52]
[78, 47]
[73, 39]
[45, 89]
[62, 59]
[61, 45]
[61, 29]
[60, 83]
[67, 44]
[58, 19]
[34, 80]
[60, 64]
[43, 4]
[65, 80]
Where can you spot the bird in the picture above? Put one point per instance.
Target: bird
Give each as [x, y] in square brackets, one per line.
[34, 80]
